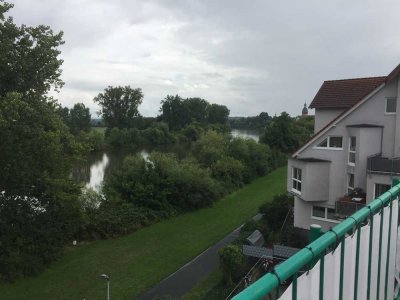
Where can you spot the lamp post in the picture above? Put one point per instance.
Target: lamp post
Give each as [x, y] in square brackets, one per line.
[106, 277]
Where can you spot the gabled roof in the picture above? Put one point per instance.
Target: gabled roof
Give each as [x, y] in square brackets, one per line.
[345, 93]
[356, 102]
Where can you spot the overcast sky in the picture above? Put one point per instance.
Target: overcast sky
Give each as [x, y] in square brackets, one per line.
[251, 56]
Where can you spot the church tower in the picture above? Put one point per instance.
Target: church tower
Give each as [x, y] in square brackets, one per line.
[304, 112]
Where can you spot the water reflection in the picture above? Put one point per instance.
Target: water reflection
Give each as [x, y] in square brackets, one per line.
[246, 134]
[97, 171]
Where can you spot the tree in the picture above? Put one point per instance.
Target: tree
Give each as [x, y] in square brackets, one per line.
[163, 183]
[231, 261]
[79, 118]
[218, 114]
[304, 128]
[29, 61]
[35, 144]
[280, 134]
[197, 108]
[119, 105]
[275, 211]
[174, 112]
[36, 151]
[210, 148]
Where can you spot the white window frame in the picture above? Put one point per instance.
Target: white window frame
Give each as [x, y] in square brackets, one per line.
[386, 104]
[328, 141]
[296, 180]
[348, 181]
[325, 218]
[352, 152]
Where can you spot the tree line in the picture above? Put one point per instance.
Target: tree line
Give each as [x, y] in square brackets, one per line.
[42, 209]
[253, 123]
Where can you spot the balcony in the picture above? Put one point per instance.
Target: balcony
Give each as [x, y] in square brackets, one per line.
[381, 164]
[368, 274]
[346, 206]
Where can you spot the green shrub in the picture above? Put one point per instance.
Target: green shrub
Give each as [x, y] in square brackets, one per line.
[163, 183]
[274, 212]
[33, 233]
[230, 171]
[231, 262]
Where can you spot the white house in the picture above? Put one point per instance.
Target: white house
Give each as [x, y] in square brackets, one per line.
[354, 153]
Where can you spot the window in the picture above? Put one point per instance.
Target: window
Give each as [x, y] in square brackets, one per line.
[335, 142]
[330, 213]
[352, 150]
[350, 183]
[391, 105]
[325, 213]
[318, 211]
[296, 180]
[331, 142]
[380, 189]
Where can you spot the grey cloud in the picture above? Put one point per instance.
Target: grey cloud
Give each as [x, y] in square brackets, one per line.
[85, 85]
[252, 56]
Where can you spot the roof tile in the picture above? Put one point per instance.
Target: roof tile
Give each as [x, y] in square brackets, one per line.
[345, 93]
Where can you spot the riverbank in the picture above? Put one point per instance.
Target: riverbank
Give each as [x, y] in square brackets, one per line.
[140, 260]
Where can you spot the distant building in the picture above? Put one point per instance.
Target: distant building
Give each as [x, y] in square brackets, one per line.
[304, 112]
[354, 153]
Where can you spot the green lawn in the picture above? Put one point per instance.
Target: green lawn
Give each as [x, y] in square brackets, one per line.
[199, 292]
[140, 260]
[99, 129]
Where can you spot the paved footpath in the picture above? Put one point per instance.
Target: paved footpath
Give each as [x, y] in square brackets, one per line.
[185, 279]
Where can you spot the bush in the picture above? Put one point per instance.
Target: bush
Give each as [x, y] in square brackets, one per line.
[274, 212]
[193, 131]
[256, 157]
[112, 219]
[229, 171]
[118, 137]
[33, 232]
[163, 183]
[211, 147]
[157, 134]
[231, 262]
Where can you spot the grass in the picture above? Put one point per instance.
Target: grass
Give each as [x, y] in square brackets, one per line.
[99, 129]
[140, 260]
[199, 292]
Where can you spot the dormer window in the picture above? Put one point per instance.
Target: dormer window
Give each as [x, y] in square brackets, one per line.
[391, 105]
[331, 142]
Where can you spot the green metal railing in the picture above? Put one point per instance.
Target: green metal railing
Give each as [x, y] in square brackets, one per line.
[289, 270]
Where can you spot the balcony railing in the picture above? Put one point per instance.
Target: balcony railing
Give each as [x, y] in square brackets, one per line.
[383, 165]
[346, 207]
[355, 259]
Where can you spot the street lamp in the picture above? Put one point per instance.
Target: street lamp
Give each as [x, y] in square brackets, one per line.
[106, 277]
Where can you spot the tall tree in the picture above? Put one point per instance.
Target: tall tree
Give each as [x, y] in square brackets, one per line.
[218, 114]
[79, 118]
[174, 112]
[280, 134]
[119, 105]
[197, 109]
[35, 150]
[29, 61]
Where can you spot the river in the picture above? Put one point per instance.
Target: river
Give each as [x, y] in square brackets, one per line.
[99, 165]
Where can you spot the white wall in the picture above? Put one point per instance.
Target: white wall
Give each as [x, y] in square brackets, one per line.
[373, 178]
[315, 179]
[368, 143]
[303, 215]
[324, 116]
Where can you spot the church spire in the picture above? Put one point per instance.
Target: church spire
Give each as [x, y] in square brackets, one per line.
[304, 112]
